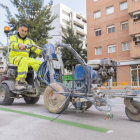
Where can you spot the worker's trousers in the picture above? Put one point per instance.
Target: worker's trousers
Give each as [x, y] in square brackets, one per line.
[22, 65]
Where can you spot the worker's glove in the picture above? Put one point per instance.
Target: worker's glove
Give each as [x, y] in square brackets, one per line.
[29, 46]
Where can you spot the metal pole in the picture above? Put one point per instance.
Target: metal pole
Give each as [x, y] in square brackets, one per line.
[73, 79]
[7, 30]
[7, 51]
[7, 44]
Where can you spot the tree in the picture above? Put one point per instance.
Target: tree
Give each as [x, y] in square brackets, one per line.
[69, 37]
[35, 15]
[5, 50]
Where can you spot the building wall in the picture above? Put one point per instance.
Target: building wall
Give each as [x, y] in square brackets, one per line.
[57, 23]
[135, 51]
[122, 76]
[2, 59]
[133, 6]
[133, 28]
[116, 38]
[105, 39]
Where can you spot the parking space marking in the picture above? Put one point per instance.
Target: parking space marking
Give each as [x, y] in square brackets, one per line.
[80, 125]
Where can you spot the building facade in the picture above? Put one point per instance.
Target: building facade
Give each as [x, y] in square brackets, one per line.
[66, 14]
[113, 31]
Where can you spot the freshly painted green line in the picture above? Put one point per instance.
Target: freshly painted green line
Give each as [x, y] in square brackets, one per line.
[89, 127]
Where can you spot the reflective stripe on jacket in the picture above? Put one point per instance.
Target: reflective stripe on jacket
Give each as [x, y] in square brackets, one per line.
[15, 51]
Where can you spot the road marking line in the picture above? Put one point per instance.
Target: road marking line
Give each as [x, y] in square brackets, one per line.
[110, 131]
[80, 125]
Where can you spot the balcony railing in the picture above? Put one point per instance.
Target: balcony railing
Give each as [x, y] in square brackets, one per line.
[79, 29]
[80, 21]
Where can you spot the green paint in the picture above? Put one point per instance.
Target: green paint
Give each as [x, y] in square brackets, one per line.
[84, 126]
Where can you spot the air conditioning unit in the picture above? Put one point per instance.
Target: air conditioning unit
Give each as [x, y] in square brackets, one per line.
[136, 39]
[135, 16]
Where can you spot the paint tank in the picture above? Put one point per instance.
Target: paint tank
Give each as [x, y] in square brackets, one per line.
[81, 75]
[50, 50]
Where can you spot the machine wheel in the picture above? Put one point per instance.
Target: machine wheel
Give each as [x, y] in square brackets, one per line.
[31, 100]
[5, 95]
[54, 100]
[89, 104]
[1, 79]
[130, 115]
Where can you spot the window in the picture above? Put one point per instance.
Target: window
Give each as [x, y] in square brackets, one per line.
[110, 29]
[125, 46]
[1, 67]
[110, 10]
[98, 50]
[111, 48]
[123, 5]
[98, 32]
[66, 13]
[1, 63]
[97, 14]
[124, 25]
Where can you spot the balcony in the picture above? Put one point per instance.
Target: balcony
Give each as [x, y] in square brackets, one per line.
[80, 30]
[84, 38]
[134, 27]
[133, 6]
[134, 50]
[80, 21]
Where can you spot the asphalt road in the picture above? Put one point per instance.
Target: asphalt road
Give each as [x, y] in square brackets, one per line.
[22, 121]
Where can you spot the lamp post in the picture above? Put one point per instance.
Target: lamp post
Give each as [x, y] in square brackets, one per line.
[7, 30]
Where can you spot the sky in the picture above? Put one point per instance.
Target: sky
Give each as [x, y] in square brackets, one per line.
[78, 5]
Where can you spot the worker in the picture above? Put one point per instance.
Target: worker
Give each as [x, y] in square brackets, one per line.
[19, 56]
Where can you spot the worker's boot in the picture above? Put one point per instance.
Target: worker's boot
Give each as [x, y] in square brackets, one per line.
[21, 84]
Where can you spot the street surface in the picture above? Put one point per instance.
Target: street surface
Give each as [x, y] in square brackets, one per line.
[27, 122]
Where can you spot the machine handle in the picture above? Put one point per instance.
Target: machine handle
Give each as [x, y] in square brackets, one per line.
[29, 46]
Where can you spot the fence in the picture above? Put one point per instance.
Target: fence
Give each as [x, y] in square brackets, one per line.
[67, 81]
[122, 85]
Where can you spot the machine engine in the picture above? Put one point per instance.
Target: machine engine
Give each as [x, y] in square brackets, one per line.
[101, 71]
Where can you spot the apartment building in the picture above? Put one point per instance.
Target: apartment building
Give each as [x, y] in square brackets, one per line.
[66, 14]
[2, 58]
[113, 31]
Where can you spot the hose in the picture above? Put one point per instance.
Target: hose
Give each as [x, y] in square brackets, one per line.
[82, 62]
